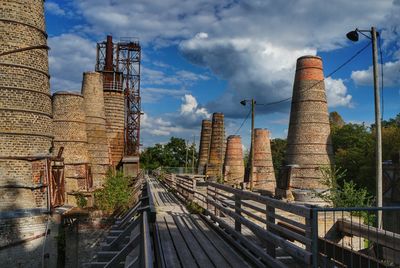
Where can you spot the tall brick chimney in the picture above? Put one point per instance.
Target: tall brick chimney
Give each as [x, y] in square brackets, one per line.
[205, 140]
[92, 91]
[233, 164]
[263, 171]
[309, 143]
[217, 147]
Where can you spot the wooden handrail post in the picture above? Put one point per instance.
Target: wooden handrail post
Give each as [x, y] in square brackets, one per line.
[173, 179]
[238, 204]
[271, 250]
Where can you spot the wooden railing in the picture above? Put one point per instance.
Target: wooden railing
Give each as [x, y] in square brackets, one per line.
[131, 233]
[235, 209]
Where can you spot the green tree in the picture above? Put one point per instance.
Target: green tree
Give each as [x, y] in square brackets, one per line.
[353, 146]
[172, 154]
[278, 150]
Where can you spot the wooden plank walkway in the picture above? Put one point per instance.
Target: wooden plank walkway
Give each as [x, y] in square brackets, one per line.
[185, 239]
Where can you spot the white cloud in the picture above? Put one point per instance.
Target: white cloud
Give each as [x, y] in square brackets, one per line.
[54, 9]
[391, 71]
[70, 55]
[191, 110]
[184, 123]
[251, 44]
[336, 93]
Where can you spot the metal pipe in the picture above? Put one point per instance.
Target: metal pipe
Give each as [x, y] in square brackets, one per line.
[109, 54]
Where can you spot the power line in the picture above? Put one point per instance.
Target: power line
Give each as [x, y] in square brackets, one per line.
[329, 75]
[244, 121]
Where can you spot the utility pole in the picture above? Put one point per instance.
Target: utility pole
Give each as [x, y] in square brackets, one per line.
[353, 36]
[186, 159]
[378, 145]
[193, 149]
[252, 145]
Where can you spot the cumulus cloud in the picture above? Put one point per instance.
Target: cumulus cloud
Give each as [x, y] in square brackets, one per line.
[190, 111]
[336, 93]
[185, 122]
[390, 33]
[391, 76]
[69, 57]
[261, 71]
[251, 44]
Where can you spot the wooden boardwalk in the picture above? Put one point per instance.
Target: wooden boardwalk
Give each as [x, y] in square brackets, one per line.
[185, 239]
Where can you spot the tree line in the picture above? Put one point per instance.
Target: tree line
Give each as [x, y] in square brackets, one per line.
[353, 145]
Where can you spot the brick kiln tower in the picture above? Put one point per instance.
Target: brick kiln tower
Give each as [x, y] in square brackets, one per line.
[263, 171]
[70, 132]
[25, 128]
[92, 91]
[217, 147]
[309, 144]
[205, 140]
[25, 100]
[233, 164]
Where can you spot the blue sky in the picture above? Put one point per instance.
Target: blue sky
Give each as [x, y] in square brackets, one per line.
[204, 56]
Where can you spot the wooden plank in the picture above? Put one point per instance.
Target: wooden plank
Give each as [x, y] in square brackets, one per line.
[246, 247]
[197, 251]
[167, 246]
[220, 245]
[183, 251]
[214, 255]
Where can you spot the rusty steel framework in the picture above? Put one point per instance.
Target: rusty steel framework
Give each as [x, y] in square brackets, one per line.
[120, 65]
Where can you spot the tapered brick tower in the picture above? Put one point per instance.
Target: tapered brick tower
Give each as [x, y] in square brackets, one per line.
[309, 143]
[205, 140]
[217, 147]
[26, 131]
[92, 91]
[263, 172]
[233, 164]
[70, 133]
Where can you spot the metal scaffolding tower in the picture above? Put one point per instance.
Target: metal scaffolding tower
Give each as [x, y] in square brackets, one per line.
[120, 65]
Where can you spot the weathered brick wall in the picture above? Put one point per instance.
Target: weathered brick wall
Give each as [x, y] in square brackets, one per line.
[92, 91]
[70, 133]
[28, 254]
[217, 146]
[25, 130]
[233, 164]
[25, 103]
[309, 142]
[263, 172]
[205, 140]
[115, 117]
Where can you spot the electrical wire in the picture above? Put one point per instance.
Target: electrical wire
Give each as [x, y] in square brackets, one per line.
[329, 75]
[382, 98]
[244, 121]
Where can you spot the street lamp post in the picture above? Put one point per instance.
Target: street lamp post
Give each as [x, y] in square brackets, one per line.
[243, 102]
[353, 36]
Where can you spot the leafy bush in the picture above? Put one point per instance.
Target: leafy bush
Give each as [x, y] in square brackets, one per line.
[116, 193]
[348, 195]
[81, 200]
